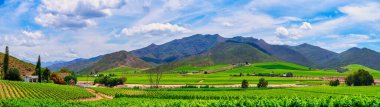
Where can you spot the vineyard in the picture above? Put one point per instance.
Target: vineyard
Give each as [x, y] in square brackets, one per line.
[357, 101]
[22, 90]
[236, 93]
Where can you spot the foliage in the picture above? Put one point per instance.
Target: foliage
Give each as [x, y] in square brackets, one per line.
[262, 83]
[23, 90]
[57, 79]
[244, 84]
[189, 86]
[39, 70]
[359, 78]
[65, 70]
[46, 74]
[70, 80]
[110, 82]
[5, 63]
[334, 82]
[13, 75]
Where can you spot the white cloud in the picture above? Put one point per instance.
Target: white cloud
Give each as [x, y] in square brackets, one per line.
[282, 32]
[367, 12]
[306, 26]
[24, 38]
[331, 42]
[34, 35]
[155, 29]
[67, 14]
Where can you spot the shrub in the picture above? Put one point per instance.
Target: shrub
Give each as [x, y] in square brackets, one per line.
[359, 78]
[57, 79]
[189, 86]
[69, 79]
[334, 83]
[13, 75]
[262, 83]
[110, 82]
[101, 75]
[244, 84]
[289, 74]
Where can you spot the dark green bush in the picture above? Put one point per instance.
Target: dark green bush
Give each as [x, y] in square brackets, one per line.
[244, 84]
[13, 75]
[110, 82]
[359, 78]
[262, 83]
[70, 78]
[334, 83]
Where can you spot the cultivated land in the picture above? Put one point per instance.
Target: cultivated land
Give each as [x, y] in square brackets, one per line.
[302, 75]
[318, 93]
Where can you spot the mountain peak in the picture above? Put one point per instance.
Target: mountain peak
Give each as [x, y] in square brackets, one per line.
[305, 45]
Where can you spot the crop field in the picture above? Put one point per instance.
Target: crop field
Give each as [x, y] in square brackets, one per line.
[234, 93]
[22, 90]
[221, 97]
[302, 75]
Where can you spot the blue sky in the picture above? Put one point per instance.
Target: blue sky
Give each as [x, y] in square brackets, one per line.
[69, 29]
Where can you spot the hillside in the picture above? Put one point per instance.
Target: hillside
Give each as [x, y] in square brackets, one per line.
[16, 63]
[224, 53]
[362, 56]
[115, 60]
[278, 51]
[103, 63]
[178, 49]
[315, 54]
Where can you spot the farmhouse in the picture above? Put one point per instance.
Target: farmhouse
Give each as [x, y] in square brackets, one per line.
[29, 77]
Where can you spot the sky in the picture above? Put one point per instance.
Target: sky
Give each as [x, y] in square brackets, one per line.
[62, 30]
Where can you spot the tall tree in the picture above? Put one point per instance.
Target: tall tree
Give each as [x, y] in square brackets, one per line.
[38, 69]
[46, 75]
[5, 63]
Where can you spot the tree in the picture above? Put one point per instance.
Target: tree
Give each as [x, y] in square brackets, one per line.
[65, 70]
[56, 78]
[13, 75]
[46, 75]
[155, 77]
[244, 84]
[262, 83]
[38, 69]
[70, 78]
[359, 78]
[334, 83]
[5, 63]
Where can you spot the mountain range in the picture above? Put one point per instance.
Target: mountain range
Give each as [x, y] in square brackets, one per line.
[205, 50]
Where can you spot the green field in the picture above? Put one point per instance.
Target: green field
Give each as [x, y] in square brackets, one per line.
[302, 74]
[34, 94]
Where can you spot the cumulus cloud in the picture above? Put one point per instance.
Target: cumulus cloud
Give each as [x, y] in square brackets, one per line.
[67, 14]
[155, 29]
[306, 26]
[282, 31]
